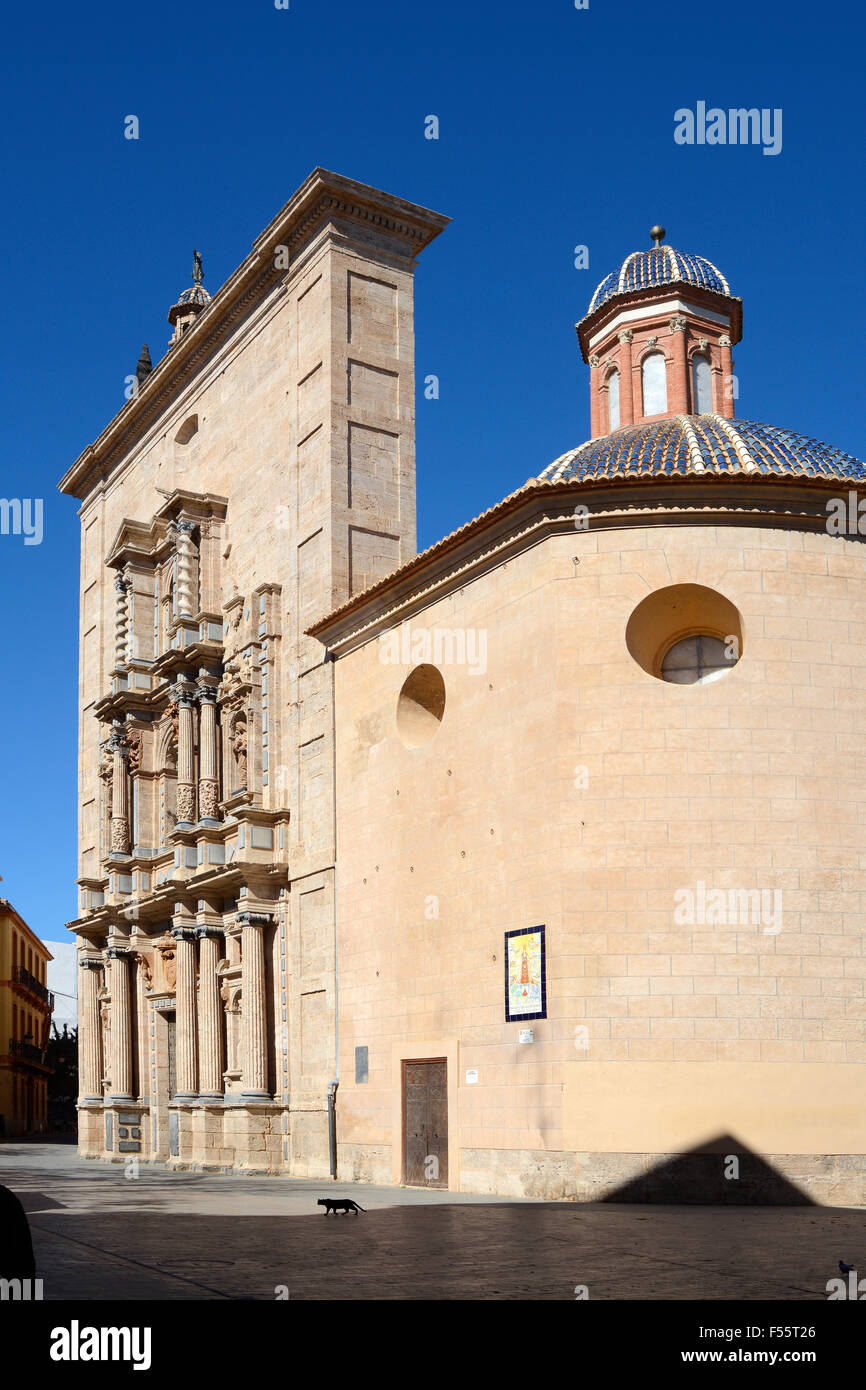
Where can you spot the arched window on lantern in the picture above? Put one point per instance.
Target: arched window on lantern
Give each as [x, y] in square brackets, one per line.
[702, 386]
[654, 381]
[613, 400]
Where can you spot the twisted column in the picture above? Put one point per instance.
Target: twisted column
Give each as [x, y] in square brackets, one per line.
[186, 604]
[89, 1045]
[119, 794]
[254, 1013]
[187, 1082]
[121, 1032]
[121, 621]
[210, 1033]
[208, 781]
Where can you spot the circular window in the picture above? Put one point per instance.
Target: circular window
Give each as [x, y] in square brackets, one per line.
[697, 660]
[420, 706]
[685, 634]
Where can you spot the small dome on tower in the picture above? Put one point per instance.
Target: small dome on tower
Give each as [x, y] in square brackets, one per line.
[190, 302]
[196, 294]
[661, 265]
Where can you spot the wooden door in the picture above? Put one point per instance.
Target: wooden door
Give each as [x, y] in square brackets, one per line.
[425, 1123]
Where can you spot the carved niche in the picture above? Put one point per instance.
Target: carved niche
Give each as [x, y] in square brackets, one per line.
[145, 965]
[167, 948]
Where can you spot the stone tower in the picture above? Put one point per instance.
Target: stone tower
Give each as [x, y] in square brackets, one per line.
[262, 473]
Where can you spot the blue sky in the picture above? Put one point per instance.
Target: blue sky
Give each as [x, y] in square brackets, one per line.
[556, 129]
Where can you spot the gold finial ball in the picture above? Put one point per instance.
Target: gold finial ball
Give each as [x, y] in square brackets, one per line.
[657, 234]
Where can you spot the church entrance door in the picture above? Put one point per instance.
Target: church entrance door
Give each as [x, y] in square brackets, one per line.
[425, 1123]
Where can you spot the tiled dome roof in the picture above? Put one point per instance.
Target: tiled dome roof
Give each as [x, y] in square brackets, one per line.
[661, 265]
[196, 294]
[708, 445]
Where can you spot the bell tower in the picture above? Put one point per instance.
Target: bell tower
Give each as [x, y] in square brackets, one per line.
[190, 303]
[657, 337]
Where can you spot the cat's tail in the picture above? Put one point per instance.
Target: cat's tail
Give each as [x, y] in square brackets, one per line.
[360, 1208]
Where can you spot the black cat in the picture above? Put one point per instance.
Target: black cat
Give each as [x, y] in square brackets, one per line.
[335, 1204]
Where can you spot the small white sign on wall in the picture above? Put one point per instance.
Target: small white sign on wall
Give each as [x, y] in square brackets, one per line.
[526, 1035]
[472, 1078]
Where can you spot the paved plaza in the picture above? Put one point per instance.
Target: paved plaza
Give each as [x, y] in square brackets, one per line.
[99, 1235]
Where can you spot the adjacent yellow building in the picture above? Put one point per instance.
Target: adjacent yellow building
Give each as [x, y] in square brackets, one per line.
[25, 1023]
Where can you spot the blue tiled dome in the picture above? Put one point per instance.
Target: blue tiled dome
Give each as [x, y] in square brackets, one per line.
[661, 265]
[196, 294]
[708, 445]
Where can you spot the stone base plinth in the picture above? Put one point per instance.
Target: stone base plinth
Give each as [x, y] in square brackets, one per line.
[711, 1179]
[364, 1163]
[224, 1137]
[308, 1144]
[91, 1130]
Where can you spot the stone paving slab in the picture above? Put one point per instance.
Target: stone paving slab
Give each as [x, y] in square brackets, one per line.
[177, 1236]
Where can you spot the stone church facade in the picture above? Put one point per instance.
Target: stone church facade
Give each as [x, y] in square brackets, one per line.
[527, 865]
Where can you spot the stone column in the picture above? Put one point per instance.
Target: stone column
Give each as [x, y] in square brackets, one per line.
[89, 1045]
[208, 781]
[679, 392]
[119, 795]
[254, 1011]
[121, 621]
[186, 599]
[187, 1081]
[725, 406]
[210, 1032]
[185, 757]
[121, 1024]
[143, 982]
[626, 382]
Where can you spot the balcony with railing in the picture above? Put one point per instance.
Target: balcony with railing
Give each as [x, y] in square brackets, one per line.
[34, 986]
[28, 1052]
